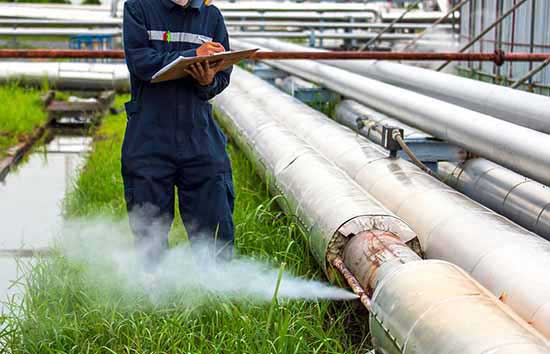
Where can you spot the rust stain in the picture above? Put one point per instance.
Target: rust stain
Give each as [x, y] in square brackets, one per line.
[354, 284]
[378, 248]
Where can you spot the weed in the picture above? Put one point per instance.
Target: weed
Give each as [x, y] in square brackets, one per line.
[20, 114]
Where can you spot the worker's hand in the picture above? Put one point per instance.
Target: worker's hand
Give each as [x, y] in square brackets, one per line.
[210, 48]
[204, 73]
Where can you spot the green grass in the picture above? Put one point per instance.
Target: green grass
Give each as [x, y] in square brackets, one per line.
[20, 114]
[64, 313]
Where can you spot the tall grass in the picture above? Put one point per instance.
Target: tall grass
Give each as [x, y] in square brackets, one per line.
[62, 313]
[20, 113]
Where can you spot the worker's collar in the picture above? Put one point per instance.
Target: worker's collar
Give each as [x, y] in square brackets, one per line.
[195, 4]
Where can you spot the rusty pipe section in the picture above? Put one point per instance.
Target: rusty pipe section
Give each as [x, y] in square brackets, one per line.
[349, 230]
[497, 57]
[434, 307]
[520, 199]
[506, 258]
[430, 307]
[352, 281]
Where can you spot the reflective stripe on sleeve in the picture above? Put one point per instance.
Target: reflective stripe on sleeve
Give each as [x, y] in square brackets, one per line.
[167, 36]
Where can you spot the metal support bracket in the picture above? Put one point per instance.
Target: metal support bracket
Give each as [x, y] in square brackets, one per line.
[388, 139]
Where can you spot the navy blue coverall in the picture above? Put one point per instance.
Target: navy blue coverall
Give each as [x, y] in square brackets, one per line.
[171, 137]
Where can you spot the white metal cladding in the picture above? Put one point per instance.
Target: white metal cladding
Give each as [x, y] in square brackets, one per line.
[506, 258]
[516, 34]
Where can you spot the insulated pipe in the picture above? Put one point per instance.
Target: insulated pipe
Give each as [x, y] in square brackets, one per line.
[407, 305]
[523, 150]
[299, 24]
[524, 201]
[510, 261]
[519, 107]
[26, 23]
[520, 199]
[70, 76]
[324, 198]
[58, 32]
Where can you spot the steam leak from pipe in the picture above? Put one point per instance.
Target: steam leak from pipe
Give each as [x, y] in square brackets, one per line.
[106, 252]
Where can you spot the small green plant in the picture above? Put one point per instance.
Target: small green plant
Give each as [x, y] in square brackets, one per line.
[20, 114]
[91, 2]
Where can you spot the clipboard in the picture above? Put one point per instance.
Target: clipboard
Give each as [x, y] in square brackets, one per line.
[176, 69]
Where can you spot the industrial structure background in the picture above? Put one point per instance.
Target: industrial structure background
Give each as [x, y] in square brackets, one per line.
[525, 30]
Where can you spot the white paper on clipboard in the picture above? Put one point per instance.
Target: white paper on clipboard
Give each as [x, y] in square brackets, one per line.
[176, 69]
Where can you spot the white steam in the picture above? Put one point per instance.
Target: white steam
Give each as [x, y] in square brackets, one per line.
[108, 257]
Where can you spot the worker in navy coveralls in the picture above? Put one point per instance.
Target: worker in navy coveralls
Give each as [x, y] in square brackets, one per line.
[172, 140]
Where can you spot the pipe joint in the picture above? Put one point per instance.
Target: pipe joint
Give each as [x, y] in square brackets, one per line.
[500, 57]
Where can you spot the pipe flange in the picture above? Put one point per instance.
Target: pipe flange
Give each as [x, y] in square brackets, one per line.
[500, 57]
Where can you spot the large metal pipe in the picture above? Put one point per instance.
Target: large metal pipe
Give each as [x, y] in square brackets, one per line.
[495, 139]
[65, 32]
[323, 24]
[70, 76]
[357, 35]
[58, 32]
[285, 6]
[515, 106]
[26, 23]
[72, 12]
[254, 10]
[519, 107]
[522, 200]
[291, 164]
[510, 261]
[417, 306]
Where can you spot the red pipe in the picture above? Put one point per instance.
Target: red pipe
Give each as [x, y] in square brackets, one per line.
[497, 57]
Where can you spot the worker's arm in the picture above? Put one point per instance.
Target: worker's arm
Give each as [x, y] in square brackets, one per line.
[221, 80]
[144, 61]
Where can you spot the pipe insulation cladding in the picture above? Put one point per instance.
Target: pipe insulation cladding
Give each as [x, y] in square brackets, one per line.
[68, 76]
[515, 106]
[523, 150]
[410, 295]
[510, 261]
[520, 199]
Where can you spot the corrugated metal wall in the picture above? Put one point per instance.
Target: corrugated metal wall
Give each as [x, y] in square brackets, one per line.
[527, 30]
